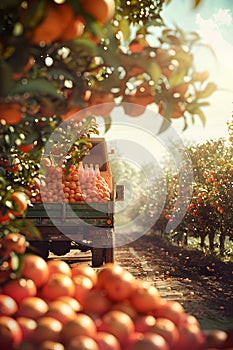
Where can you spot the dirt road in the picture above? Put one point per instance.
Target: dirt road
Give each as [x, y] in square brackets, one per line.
[203, 285]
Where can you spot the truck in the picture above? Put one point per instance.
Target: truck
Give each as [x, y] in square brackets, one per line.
[84, 226]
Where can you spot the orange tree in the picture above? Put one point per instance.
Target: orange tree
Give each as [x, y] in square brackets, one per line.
[210, 211]
[76, 55]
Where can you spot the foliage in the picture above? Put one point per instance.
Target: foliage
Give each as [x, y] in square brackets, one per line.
[210, 211]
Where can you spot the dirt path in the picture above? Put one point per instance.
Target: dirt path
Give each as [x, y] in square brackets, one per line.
[203, 285]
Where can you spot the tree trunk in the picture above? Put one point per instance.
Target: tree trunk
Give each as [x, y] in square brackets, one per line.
[211, 240]
[202, 235]
[222, 242]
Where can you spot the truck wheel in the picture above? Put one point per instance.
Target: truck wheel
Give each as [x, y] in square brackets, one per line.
[60, 248]
[97, 257]
[40, 248]
[109, 255]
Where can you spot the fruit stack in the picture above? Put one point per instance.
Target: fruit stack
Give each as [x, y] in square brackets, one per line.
[50, 305]
[83, 184]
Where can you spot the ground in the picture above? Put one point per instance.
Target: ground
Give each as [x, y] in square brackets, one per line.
[202, 284]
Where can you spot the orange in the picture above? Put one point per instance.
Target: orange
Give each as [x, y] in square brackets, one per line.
[11, 113]
[26, 147]
[20, 199]
[74, 30]
[102, 10]
[35, 267]
[56, 20]
[105, 272]
[85, 270]
[81, 325]
[59, 266]
[145, 298]
[96, 302]
[14, 242]
[120, 286]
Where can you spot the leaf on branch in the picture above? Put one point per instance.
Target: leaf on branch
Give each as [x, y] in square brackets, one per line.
[178, 77]
[196, 3]
[124, 27]
[107, 123]
[164, 126]
[209, 89]
[7, 83]
[35, 14]
[38, 86]
[201, 116]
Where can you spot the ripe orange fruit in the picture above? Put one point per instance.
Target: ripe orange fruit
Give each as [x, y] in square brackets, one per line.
[105, 273]
[57, 18]
[120, 286]
[82, 285]
[26, 147]
[59, 266]
[81, 325]
[35, 267]
[58, 285]
[11, 113]
[20, 200]
[117, 323]
[102, 10]
[48, 328]
[82, 342]
[61, 311]
[32, 307]
[85, 270]
[96, 301]
[74, 30]
[145, 298]
[13, 242]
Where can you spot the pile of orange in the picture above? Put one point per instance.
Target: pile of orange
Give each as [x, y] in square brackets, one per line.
[50, 305]
[74, 188]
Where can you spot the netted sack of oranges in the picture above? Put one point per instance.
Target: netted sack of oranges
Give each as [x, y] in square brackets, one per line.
[82, 184]
[50, 305]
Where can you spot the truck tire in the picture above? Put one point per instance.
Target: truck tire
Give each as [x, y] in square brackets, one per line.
[97, 257]
[109, 255]
[60, 248]
[40, 248]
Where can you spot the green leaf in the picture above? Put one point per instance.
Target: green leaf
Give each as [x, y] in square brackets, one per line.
[35, 14]
[178, 77]
[107, 123]
[196, 3]
[38, 86]
[124, 27]
[209, 89]
[164, 126]
[201, 116]
[7, 82]
[27, 227]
